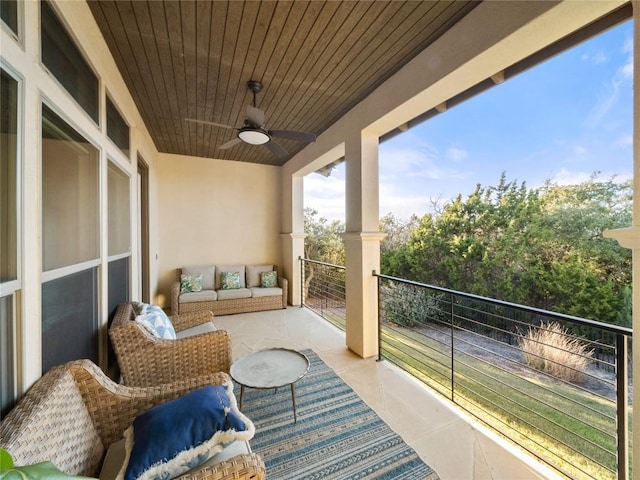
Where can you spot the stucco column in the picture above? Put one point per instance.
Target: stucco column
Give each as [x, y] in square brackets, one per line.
[362, 243]
[292, 235]
[630, 237]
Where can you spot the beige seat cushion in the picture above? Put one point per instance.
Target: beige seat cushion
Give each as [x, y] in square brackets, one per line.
[198, 329]
[266, 292]
[234, 293]
[116, 454]
[202, 296]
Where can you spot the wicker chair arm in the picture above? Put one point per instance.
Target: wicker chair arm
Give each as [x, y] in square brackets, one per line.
[163, 361]
[113, 407]
[241, 467]
[183, 321]
[175, 295]
[283, 283]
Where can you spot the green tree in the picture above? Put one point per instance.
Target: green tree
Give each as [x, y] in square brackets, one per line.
[540, 247]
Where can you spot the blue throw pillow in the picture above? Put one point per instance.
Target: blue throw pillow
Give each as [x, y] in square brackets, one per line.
[179, 435]
[153, 318]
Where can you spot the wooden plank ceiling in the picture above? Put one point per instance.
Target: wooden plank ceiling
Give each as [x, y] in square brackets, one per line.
[316, 59]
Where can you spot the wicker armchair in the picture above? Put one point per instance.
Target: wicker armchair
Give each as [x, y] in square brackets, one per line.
[145, 360]
[75, 412]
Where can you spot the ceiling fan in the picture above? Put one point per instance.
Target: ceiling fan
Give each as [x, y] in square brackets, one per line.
[254, 131]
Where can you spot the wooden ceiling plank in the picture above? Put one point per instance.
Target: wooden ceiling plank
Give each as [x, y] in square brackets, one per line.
[344, 49]
[121, 15]
[161, 48]
[213, 136]
[173, 22]
[315, 42]
[144, 51]
[298, 111]
[353, 88]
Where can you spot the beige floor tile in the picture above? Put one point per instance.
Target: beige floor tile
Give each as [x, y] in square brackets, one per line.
[441, 434]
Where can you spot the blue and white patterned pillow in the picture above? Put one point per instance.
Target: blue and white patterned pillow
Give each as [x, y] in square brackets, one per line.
[174, 437]
[153, 318]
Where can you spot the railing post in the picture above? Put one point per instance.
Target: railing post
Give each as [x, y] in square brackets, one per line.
[302, 267]
[378, 280]
[622, 396]
[452, 345]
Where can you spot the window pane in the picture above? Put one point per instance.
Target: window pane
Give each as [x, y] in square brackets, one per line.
[117, 128]
[9, 14]
[118, 293]
[119, 204]
[70, 195]
[66, 63]
[7, 366]
[70, 319]
[8, 179]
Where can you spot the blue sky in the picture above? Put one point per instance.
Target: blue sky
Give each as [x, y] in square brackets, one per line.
[562, 120]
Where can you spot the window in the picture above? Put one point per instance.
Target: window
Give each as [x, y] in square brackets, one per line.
[9, 14]
[117, 128]
[119, 207]
[8, 177]
[7, 356]
[70, 319]
[63, 59]
[70, 195]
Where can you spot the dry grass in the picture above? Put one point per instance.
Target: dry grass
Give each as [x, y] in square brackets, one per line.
[551, 349]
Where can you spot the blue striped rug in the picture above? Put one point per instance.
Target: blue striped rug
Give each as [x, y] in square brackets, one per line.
[337, 435]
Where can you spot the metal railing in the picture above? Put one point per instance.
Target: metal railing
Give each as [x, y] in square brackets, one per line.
[323, 290]
[555, 385]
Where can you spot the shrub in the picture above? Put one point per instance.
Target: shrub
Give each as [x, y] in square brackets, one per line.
[408, 305]
[550, 348]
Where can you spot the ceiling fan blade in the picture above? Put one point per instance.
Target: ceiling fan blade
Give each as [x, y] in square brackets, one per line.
[193, 120]
[255, 116]
[276, 149]
[291, 135]
[229, 144]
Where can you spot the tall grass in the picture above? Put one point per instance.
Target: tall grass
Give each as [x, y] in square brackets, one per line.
[550, 348]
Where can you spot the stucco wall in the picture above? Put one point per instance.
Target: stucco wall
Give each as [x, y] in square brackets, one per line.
[215, 211]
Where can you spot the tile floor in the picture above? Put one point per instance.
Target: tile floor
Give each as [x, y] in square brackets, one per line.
[457, 447]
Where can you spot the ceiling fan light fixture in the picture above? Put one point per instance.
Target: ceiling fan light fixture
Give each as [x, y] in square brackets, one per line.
[254, 136]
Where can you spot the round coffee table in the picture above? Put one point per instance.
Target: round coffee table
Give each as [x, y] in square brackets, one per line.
[270, 368]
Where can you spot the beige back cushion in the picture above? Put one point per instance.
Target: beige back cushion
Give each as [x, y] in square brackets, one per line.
[253, 274]
[207, 271]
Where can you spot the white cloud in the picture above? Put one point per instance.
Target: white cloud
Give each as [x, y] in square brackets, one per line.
[567, 177]
[624, 141]
[456, 154]
[610, 94]
[326, 195]
[595, 58]
[579, 150]
[421, 161]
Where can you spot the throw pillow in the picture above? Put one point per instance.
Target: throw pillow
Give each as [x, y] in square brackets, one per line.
[156, 322]
[269, 279]
[190, 282]
[229, 280]
[174, 437]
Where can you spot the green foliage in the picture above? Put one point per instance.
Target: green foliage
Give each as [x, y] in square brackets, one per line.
[539, 247]
[410, 306]
[324, 239]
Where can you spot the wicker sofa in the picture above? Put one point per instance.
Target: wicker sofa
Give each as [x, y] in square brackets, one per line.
[74, 413]
[250, 297]
[146, 360]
